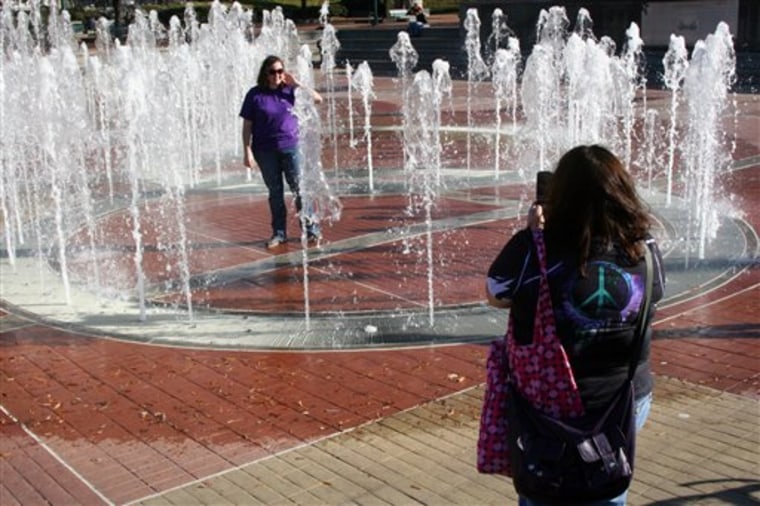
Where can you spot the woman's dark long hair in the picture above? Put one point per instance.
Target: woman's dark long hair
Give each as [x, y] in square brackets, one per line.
[262, 81]
[592, 197]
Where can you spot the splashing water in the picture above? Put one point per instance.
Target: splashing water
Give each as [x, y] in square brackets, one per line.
[651, 156]
[278, 36]
[363, 82]
[133, 127]
[505, 70]
[330, 45]
[421, 145]
[326, 205]
[319, 202]
[476, 69]
[442, 88]
[632, 82]
[349, 98]
[403, 54]
[578, 91]
[540, 88]
[552, 27]
[324, 13]
[500, 34]
[708, 78]
[585, 87]
[675, 62]
[405, 57]
[310, 155]
[100, 138]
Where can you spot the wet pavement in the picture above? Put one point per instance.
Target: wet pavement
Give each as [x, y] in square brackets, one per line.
[359, 400]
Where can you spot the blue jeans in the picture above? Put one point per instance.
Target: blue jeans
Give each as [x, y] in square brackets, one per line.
[642, 407]
[415, 28]
[276, 165]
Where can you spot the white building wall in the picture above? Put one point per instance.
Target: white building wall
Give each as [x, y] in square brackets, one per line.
[693, 20]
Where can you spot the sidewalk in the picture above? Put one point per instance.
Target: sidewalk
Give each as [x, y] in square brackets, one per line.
[700, 446]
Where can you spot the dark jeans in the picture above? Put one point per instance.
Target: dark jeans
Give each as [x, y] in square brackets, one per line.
[415, 28]
[276, 165]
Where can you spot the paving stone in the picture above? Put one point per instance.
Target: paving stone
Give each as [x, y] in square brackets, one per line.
[180, 497]
[369, 499]
[163, 500]
[231, 491]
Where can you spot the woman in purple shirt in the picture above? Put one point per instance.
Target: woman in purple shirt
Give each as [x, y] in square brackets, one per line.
[270, 138]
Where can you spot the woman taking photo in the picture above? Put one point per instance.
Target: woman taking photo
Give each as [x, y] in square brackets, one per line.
[270, 137]
[595, 231]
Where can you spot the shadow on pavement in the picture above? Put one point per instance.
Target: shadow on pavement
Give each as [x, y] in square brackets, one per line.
[746, 493]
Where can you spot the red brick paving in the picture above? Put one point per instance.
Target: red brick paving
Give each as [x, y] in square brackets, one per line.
[138, 410]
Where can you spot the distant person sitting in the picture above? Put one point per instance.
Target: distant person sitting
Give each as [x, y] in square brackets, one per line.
[417, 20]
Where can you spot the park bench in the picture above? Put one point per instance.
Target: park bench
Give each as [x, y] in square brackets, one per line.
[398, 14]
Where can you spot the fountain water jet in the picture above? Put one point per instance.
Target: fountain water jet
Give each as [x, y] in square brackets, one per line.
[403, 54]
[441, 89]
[540, 90]
[500, 33]
[363, 82]
[505, 72]
[708, 79]
[476, 68]
[349, 98]
[421, 143]
[632, 82]
[330, 46]
[675, 62]
[324, 13]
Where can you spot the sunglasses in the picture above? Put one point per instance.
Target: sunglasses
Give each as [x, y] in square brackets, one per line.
[276, 71]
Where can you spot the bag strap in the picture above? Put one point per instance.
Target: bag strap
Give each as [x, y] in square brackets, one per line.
[643, 319]
[544, 307]
[538, 241]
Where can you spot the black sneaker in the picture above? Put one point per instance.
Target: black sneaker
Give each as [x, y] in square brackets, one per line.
[276, 240]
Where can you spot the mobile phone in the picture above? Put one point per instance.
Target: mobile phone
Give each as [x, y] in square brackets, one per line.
[543, 180]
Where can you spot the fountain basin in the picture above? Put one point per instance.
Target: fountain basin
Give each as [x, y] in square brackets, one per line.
[367, 274]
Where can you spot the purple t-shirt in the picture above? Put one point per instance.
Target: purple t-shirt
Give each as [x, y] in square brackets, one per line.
[275, 127]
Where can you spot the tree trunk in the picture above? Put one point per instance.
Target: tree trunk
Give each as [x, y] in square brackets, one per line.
[117, 13]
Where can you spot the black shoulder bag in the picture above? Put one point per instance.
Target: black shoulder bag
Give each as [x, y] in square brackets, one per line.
[582, 459]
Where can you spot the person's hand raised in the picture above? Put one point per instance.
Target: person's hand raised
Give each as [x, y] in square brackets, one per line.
[290, 80]
[536, 217]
